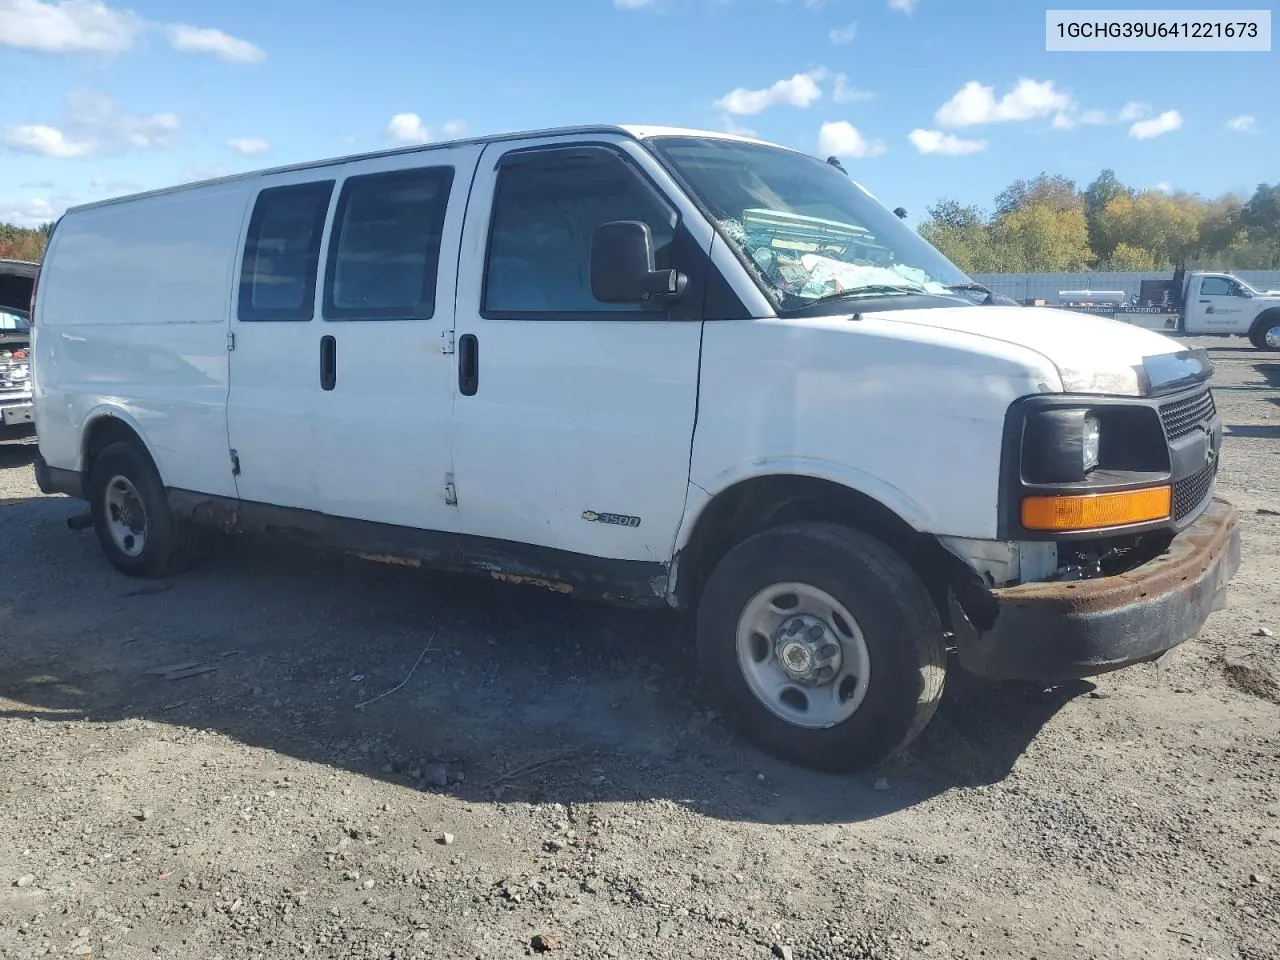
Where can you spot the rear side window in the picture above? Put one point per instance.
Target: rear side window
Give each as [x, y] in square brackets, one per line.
[546, 208]
[384, 251]
[282, 253]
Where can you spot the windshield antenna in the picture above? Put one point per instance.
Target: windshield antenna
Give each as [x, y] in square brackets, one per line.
[835, 162]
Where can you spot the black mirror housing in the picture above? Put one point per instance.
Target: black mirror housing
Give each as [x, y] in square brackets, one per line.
[622, 265]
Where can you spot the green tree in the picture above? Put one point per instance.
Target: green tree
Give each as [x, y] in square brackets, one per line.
[1042, 236]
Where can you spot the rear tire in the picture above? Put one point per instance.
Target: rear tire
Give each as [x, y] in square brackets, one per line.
[131, 515]
[1266, 335]
[857, 631]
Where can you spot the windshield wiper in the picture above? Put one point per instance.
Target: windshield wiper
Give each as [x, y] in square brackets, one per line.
[975, 287]
[868, 290]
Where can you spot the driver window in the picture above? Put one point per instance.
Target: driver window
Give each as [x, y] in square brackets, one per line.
[1217, 287]
[545, 211]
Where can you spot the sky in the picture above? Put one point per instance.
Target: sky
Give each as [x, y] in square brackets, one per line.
[921, 99]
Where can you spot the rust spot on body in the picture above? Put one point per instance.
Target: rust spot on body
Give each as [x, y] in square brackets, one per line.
[553, 585]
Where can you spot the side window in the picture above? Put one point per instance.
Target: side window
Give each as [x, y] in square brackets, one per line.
[545, 210]
[384, 250]
[282, 253]
[1215, 287]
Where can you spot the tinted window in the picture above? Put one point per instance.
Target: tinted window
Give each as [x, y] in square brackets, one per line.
[1217, 287]
[545, 212]
[278, 280]
[385, 248]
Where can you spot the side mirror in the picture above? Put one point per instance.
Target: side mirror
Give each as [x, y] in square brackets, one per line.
[622, 266]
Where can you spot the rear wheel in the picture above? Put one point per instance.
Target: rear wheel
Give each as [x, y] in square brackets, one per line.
[822, 646]
[1266, 335]
[131, 515]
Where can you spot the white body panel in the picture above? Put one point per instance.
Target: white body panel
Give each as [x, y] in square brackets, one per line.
[830, 398]
[1207, 309]
[132, 323]
[573, 415]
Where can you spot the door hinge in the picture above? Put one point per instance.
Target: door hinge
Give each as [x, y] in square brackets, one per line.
[231, 341]
[446, 341]
[235, 464]
[450, 491]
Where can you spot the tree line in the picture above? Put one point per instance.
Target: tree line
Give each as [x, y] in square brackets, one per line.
[1049, 225]
[23, 243]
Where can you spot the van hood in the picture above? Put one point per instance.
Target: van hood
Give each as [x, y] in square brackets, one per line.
[1093, 355]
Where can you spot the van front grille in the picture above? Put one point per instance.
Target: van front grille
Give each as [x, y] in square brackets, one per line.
[1180, 417]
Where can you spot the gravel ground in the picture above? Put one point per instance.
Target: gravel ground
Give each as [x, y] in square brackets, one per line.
[199, 768]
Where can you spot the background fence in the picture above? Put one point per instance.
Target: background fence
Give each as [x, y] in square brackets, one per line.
[1045, 286]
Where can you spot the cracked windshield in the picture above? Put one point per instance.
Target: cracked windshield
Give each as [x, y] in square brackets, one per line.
[810, 233]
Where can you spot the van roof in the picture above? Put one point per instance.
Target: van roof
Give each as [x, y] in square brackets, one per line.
[635, 131]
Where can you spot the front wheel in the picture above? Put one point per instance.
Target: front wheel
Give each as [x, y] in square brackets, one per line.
[822, 646]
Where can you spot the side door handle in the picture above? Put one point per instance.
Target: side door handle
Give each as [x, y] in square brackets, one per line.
[328, 363]
[468, 364]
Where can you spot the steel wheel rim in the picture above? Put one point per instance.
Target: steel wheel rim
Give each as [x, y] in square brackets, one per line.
[1272, 338]
[126, 517]
[783, 641]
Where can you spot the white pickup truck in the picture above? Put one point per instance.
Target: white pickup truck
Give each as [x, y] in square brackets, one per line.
[1202, 303]
[652, 366]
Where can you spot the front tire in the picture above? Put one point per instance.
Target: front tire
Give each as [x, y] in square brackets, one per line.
[822, 646]
[131, 515]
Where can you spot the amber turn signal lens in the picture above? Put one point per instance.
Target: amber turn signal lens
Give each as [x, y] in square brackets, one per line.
[1095, 511]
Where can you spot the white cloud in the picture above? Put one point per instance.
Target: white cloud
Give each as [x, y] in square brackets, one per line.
[842, 92]
[1167, 122]
[800, 90]
[1093, 117]
[1242, 123]
[1133, 110]
[842, 139]
[946, 144]
[632, 4]
[249, 146]
[74, 26]
[844, 34]
[34, 211]
[976, 104]
[1164, 187]
[408, 128]
[903, 6]
[67, 26]
[94, 125]
[189, 39]
[454, 128]
[1063, 121]
[44, 141]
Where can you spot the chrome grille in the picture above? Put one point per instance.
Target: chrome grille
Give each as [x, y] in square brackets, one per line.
[1180, 417]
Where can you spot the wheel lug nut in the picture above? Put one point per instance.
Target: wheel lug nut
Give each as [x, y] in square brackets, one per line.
[794, 627]
[816, 632]
[828, 651]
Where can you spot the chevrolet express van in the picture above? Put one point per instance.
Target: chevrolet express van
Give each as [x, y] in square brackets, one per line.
[651, 366]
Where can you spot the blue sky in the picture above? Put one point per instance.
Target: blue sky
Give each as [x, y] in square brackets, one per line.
[922, 98]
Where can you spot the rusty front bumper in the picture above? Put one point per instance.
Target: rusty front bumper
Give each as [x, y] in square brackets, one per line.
[1059, 631]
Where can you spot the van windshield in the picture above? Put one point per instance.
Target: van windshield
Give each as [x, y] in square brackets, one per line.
[810, 233]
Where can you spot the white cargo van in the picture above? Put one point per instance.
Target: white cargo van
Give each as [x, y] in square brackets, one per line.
[651, 366]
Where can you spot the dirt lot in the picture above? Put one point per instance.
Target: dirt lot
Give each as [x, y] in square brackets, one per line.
[193, 769]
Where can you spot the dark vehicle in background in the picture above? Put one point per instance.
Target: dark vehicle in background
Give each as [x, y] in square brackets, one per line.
[17, 277]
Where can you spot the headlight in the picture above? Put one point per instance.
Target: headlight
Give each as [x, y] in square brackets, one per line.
[1091, 440]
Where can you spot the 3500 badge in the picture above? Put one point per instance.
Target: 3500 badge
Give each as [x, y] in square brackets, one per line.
[616, 519]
